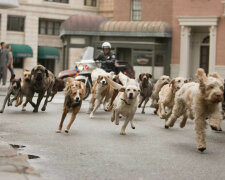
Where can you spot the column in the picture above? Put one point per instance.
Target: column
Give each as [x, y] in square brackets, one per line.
[3, 26]
[185, 52]
[212, 48]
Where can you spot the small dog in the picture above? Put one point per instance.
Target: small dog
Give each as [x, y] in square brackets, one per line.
[126, 102]
[73, 101]
[14, 89]
[146, 89]
[42, 81]
[167, 95]
[58, 86]
[202, 100]
[100, 94]
[163, 80]
[26, 90]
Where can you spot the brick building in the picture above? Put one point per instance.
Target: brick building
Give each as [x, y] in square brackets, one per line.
[172, 37]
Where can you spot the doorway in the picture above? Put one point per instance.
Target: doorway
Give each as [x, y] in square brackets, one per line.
[204, 55]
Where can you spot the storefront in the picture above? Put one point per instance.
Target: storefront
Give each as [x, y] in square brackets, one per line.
[145, 45]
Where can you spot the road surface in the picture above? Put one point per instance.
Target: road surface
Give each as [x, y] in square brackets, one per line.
[94, 149]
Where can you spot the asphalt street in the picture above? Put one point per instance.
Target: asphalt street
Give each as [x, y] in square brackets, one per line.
[94, 149]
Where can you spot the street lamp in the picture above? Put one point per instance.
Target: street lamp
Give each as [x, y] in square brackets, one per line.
[5, 4]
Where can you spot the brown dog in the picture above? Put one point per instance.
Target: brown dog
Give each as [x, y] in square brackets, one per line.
[73, 101]
[146, 89]
[58, 87]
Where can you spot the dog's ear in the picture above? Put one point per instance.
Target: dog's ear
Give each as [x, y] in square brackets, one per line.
[99, 79]
[122, 89]
[149, 75]
[202, 78]
[140, 77]
[46, 72]
[217, 76]
[172, 84]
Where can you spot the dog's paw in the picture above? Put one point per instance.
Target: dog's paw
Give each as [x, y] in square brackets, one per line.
[66, 131]
[43, 108]
[133, 127]
[202, 149]
[23, 109]
[155, 112]
[1, 111]
[117, 123]
[35, 110]
[91, 116]
[58, 131]
[166, 127]
[105, 109]
[112, 119]
[139, 106]
[142, 112]
[120, 116]
[122, 133]
[215, 128]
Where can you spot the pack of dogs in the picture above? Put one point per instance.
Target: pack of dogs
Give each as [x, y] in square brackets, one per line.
[201, 101]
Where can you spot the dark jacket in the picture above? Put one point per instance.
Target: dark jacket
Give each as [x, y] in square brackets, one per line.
[108, 61]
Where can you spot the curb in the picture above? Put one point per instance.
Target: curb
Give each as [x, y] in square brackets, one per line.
[15, 166]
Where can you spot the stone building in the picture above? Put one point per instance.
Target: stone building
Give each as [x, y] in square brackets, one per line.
[33, 30]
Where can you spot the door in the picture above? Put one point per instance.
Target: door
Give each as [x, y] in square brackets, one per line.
[204, 58]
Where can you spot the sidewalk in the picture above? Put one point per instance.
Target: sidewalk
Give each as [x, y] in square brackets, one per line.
[4, 88]
[14, 166]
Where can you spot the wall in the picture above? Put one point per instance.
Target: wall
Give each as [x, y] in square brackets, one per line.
[198, 8]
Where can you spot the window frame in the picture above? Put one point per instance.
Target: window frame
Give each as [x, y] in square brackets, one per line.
[58, 1]
[9, 26]
[46, 22]
[138, 10]
[93, 3]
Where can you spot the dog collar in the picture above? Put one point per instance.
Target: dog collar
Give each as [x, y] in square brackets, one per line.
[125, 101]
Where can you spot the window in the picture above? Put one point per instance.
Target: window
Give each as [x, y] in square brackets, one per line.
[136, 10]
[18, 62]
[59, 1]
[15, 23]
[49, 27]
[90, 3]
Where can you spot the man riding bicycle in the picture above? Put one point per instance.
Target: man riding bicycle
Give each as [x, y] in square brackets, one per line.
[107, 57]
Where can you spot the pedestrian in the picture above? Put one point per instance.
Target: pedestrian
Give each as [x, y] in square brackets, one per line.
[4, 62]
[10, 67]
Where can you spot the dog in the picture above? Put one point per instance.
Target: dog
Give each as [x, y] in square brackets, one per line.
[202, 100]
[146, 89]
[42, 81]
[26, 90]
[163, 80]
[14, 89]
[167, 95]
[126, 102]
[73, 101]
[100, 94]
[58, 86]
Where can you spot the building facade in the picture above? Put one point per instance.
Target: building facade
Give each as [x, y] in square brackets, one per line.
[172, 37]
[33, 31]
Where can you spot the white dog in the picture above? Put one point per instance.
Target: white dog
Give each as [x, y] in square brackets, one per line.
[125, 103]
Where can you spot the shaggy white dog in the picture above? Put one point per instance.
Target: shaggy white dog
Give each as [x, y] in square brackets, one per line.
[201, 100]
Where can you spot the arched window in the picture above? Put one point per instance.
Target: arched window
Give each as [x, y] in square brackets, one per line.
[206, 40]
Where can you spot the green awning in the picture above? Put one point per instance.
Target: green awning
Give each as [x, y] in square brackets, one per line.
[21, 50]
[45, 52]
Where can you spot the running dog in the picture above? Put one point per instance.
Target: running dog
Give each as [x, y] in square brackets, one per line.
[100, 94]
[163, 80]
[14, 89]
[42, 81]
[73, 101]
[202, 100]
[126, 102]
[167, 95]
[146, 89]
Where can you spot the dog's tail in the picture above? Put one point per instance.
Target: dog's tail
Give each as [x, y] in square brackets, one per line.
[113, 84]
